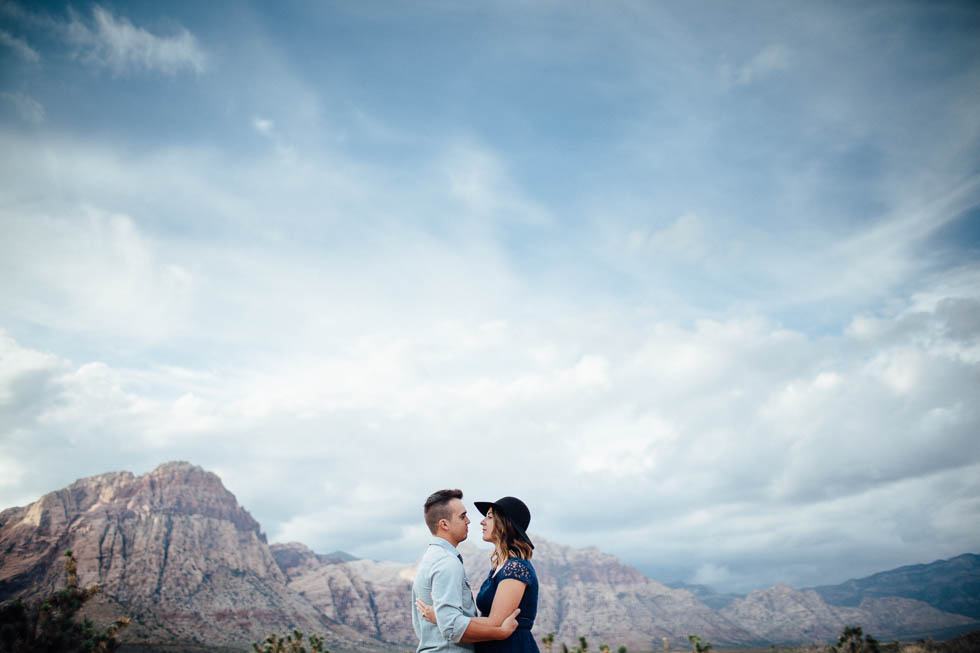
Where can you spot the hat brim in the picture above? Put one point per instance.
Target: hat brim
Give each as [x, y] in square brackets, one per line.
[484, 506]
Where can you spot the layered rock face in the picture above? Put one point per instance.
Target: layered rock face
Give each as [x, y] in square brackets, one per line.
[172, 549]
[587, 592]
[372, 597]
[784, 615]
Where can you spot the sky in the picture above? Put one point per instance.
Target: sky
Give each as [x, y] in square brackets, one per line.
[699, 282]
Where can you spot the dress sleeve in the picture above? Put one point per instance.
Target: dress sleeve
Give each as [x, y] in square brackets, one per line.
[518, 570]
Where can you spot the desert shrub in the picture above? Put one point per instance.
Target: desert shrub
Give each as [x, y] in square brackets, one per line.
[583, 646]
[853, 640]
[548, 640]
[50, 625]
[292, 643]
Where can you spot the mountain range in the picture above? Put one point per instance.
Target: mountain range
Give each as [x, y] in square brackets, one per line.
[175, 551]
[952, 585]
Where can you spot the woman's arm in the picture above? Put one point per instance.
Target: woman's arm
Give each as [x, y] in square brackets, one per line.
[483, 629]
[503, 613]
[509, 594]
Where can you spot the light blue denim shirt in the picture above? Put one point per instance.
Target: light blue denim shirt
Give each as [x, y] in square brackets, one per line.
[441, 582]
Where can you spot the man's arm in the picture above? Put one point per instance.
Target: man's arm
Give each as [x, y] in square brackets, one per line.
[480, 630]
[447, 604]
[447, 598]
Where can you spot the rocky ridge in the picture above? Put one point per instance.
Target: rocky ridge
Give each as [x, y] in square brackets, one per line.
[952, 585]
[372, 597]
[175, 551]
[587, 592]
[582, 592]
[172, 549]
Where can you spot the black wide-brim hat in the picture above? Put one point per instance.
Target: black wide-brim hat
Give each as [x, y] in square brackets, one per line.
[514, 509]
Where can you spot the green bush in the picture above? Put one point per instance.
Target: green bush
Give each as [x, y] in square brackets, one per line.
[699, 646]
[583, 646]
[289, 644]
[50, 624]
[853, 640]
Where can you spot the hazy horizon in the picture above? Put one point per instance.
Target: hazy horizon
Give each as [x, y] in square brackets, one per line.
[700, 284]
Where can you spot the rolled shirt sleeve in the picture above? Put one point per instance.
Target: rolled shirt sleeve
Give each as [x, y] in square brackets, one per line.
[447, 598]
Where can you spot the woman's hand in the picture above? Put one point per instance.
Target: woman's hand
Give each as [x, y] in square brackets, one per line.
[425, 610]
[510, 624]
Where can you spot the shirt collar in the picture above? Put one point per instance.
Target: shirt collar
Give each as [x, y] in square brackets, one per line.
[438, 541]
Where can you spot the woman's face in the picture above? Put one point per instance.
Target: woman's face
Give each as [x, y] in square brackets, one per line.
[488, 525]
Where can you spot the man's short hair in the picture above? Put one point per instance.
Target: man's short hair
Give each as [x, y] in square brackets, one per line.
[437, 507]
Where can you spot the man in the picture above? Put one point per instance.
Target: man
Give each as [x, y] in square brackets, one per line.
[441, 582]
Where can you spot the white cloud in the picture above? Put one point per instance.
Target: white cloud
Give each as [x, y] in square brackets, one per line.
[287, 153]
[712, 575]
[11, 473]
[93, 271]
[263, 125]
[18, 365]
[29, 109]
[374, 297]
[771, 437]
[772, 59]
[686, 238]
[118, 44]
[286, 366]
[19, 46]
[900, 370]
[479, 180]
[623, 445]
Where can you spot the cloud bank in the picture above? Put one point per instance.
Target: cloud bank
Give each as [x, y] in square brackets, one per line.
[680, 287]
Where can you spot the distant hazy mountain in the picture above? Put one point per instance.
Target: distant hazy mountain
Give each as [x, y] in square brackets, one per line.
[175, 551]
[783, 615]
[952, 585]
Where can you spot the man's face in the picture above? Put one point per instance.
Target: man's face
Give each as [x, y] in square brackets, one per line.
[459, 523]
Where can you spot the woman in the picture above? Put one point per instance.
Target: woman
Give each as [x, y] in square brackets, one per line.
[511, 582]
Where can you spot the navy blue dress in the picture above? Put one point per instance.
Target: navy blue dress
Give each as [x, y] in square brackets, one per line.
[521, 640]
